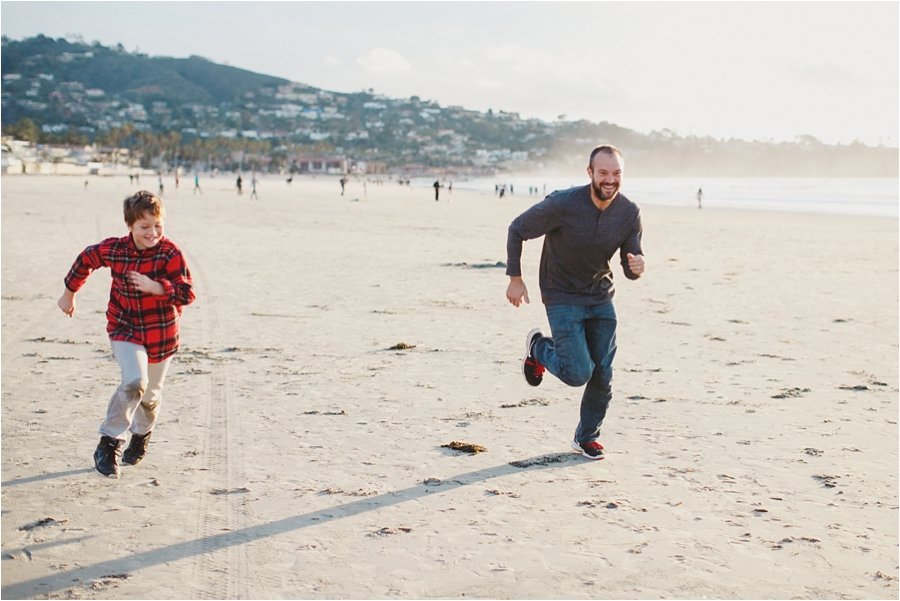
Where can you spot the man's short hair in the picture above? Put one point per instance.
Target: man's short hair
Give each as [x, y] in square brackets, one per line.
[607, 149]
[143, 202]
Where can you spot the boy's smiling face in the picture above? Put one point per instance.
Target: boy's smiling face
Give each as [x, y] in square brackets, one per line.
[146, 231]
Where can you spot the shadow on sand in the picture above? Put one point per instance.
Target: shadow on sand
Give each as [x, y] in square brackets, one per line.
[63, 580]
[86, 470]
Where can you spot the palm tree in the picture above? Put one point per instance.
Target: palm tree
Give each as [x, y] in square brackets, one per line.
[172, 139]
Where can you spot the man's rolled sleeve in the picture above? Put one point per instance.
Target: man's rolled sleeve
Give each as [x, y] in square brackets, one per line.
[632, 245]
[513, 253]
[533, 223]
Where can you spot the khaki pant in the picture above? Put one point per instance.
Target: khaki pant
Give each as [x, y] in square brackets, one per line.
[135, 403]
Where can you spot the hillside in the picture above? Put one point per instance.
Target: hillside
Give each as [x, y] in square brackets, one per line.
[69, 91]
[133, 77]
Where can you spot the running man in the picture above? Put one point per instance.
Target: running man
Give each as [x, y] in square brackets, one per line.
[582, 227]
[197, 182]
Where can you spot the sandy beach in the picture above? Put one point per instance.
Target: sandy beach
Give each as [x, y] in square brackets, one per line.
[752, 439]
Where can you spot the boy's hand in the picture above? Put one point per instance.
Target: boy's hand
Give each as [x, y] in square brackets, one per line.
[516, 292]
[66, 302]
[145, 284]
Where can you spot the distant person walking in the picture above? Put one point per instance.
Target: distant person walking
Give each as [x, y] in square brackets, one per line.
[700, 198]
[131, 178]
[290, 180]
[177, 181]
[437, 190]
[159, 176]
[253, 187]
[240, 185]
[197, 183]
[343, 184]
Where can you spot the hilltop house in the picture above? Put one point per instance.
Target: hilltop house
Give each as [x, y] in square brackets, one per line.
[330, 166]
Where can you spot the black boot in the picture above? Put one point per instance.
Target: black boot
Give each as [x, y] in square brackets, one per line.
[106, 457]
[137, 448]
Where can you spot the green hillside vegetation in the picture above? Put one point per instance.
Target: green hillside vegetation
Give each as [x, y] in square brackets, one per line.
[135, 77]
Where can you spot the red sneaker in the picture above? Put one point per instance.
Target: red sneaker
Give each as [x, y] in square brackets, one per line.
[531, 369]
[591, 450]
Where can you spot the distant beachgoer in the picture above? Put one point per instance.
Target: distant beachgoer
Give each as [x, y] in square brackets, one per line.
[85, 184]
[197, 182]
[131, 178]
[577, 285]
[240, 185]
[700, 198]
[177, 181]
[437, 189]
[159, 176]
[510, 188]
[150, 285]
[290, 180]
[502, 191]
[253, 187]
[343, 184]
[137, 178]
[496, 188]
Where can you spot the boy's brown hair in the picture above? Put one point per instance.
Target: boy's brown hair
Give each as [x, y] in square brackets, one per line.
[143, 202]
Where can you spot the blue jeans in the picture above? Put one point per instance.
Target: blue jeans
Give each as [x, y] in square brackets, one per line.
[581, 352]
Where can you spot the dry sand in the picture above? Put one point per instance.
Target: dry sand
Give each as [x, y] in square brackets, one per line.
[752, 440]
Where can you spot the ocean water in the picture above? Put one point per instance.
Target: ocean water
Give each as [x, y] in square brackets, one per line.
[872, 197]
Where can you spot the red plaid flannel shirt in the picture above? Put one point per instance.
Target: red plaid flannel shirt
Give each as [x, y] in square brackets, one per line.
[132, 315]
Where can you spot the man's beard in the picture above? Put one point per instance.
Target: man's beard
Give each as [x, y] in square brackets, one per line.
[602, 194]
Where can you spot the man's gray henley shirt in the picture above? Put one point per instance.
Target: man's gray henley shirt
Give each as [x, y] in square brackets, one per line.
[579, 241]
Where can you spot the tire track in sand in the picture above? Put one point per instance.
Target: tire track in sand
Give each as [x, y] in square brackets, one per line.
[219, 573]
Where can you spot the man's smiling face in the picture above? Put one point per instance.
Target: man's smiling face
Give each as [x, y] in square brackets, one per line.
[606, 175]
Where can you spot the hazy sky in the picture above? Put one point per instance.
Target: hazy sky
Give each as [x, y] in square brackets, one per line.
[751, 70]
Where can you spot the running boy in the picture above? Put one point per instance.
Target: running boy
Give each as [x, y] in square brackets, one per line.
[150, 285]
